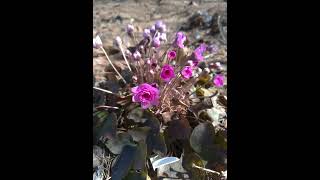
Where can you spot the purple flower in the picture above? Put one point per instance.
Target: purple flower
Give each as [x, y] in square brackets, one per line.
[163, 37]
[186, 72]
[146, 95]
[218, 80]
[153, 30]
[213, 49]
[130, 29]
[117, 41]
[136, 56]
[167, 72]
[180, 39]
[160, 26]
[156, 42]
[198, 52]
[146, 33]
[172, 54]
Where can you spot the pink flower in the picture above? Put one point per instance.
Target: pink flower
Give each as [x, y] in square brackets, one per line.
[172, 54]
[180, 39]
[146, 95]
[218, 80]
[198, 52]
[167, 73]
[186, 72]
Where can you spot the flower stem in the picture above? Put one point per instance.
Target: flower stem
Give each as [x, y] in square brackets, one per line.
[168, 87]
[124, 56]
[141, 71]
[105, 53]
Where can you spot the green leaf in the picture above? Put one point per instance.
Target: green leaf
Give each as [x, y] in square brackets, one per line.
[178, 128]
[221, 139]
[188, 159]
[137, 115]
[151, 121]
[156, 143]
[123, 163]
[202, 140]
[109, 126]
[116, 145]
[137, 175]
[139, 133]
[99, 117]
[151, 126]
[139, 170]
[140, 157]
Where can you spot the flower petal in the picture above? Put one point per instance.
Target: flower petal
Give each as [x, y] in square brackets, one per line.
[145, 105]
[134, 89]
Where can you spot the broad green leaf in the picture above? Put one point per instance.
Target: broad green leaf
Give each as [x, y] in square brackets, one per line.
[188, 159]
[123, 163]
[139, 133]
[140, 157]
[115, 145]
[202, 140]
[156, 143]
[109, 126]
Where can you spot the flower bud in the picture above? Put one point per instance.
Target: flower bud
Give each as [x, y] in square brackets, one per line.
[146, 33]
[141, 47]
[160, 26]
[153, 30]
[117, 41]
[136, 56]
[130, 30]
[128, 53]
[97, 43]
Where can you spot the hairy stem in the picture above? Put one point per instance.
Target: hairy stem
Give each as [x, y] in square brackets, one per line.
[124, 56]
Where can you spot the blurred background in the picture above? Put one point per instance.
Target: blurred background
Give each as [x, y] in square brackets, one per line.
[198, 19]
